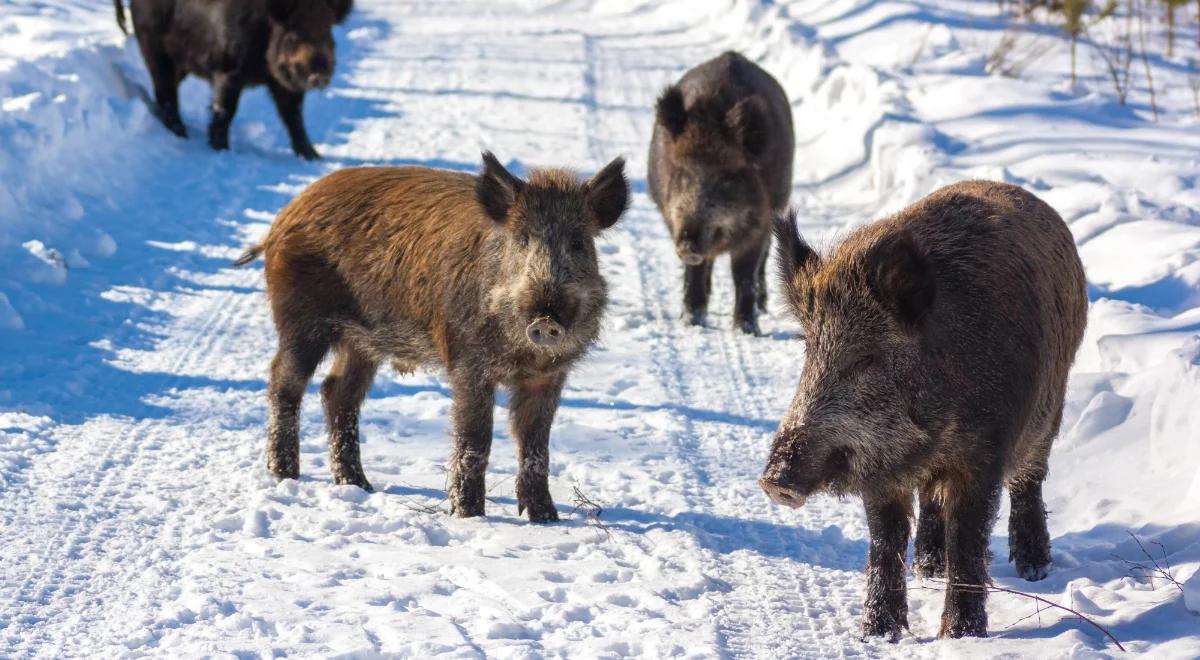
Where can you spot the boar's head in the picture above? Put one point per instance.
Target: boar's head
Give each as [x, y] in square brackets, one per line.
[549, 290]
[301, 51]
[715, 193]
[855, 422]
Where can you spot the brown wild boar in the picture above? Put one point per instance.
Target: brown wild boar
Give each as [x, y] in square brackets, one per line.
[286, 45]
[491, 277]
[720, 171]
[938, 346]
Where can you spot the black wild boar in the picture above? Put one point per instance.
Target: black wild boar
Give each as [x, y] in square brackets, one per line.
[493, 277]
[286, 45]
[938, 346]
[720, 171]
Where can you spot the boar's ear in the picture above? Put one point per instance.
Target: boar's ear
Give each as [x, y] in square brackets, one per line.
[341, 9]
[608, 193]
[901, 277]
[281, 10]
[670, 111]
[795, 257]
[748, 121]
[793, 253]
[496, 189]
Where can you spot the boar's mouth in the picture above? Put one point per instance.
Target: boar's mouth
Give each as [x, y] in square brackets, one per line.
[792, 482]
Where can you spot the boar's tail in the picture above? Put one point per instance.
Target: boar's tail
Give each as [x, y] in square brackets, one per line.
[119, 5]
[249, 255]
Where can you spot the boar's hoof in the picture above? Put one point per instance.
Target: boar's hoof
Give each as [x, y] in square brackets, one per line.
[306, 152]
[1031, 572]
[359, 480]
[696, 317]
[887, 627]
[963, 624]
[749, 325]
[540, 511]
[545, 332]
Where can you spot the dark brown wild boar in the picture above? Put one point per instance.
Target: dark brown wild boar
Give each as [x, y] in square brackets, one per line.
[938, 346]
[493, 278]
[720, 171]
[286, 45]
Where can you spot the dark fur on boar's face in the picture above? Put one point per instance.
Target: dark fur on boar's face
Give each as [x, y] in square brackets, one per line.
[720, 172]
[493, 278]
[286, 45]
[938, 346]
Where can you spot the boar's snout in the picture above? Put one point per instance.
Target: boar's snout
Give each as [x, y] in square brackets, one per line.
[545, 332]
[800, 465]
[690, 250]
[781, 494]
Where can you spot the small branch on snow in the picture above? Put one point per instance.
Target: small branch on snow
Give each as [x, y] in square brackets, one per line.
[590, 509]
[1149, 572]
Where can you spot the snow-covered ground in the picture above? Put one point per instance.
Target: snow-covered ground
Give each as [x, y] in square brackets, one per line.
[136, 515]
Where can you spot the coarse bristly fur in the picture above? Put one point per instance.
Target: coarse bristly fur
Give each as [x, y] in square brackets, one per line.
[938, 346]
[720, 170]
[491, 277]
[286, 45]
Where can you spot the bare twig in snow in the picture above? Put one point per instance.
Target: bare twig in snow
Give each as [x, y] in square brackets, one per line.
[1153, 570]
[590, 509]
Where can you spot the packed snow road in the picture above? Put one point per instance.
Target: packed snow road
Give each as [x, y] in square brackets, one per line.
[139, 519]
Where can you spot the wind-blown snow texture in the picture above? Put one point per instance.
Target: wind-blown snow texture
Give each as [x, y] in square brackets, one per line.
[136, 515]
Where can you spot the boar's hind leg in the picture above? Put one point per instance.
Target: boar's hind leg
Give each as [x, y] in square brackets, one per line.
[885, 613]
[1028, 538]
[930, 552]
[762, 281]
[343, 392]
[746, 267]
[290, 106]
[227, 90]
[531, 412]
[970, 516]
[472, 442]
[293, 367]
[697, 284]
[166, 82]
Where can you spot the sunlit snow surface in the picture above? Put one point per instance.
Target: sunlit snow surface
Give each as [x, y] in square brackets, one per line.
[136, 515]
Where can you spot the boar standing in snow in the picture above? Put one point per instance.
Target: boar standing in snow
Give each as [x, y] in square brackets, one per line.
[938, 346]
[286, 45]
[720, 172]
[492, 277]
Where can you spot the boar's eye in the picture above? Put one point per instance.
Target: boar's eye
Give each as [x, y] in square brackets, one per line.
[860, 364]
[577, 244]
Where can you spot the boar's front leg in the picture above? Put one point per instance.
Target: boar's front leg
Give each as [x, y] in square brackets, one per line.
[227, 91]
[531, 412]
[746, 269]
[697, 283]
[290, 106]
[970, 515]
[474, 399]
[343, 392]
[885, 613]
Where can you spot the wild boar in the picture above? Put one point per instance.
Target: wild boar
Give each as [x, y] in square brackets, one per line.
[286, 45]
[938, 346]
[720, 171]
[493, 278]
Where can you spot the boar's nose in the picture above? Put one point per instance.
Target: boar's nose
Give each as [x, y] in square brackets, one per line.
[782, 494]
[545, 332]
[317, 80]
[689, 252]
